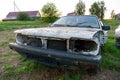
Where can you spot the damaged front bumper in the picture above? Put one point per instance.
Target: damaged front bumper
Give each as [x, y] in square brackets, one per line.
[55, 57]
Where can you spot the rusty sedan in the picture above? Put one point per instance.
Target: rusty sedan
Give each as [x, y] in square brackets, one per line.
[69, 41]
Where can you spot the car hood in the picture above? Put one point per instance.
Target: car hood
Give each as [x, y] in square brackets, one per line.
[60, 32]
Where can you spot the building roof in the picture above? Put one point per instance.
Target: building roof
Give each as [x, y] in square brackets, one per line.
[71, 14]
[13, 15]
[30, 13]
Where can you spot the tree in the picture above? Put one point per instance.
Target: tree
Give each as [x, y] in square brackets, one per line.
[98, 8]
[94, 10]
[49, 10]
[112, 14]
[80, 8]
[22, 16]
[49, 13]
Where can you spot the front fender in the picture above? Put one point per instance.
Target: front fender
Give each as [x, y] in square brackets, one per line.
[101, 37]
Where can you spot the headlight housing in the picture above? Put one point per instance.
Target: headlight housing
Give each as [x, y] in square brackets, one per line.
[20, 39]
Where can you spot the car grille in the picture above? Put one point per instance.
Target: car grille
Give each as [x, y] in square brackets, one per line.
[34, 42]
[56, 44]
[75, 45]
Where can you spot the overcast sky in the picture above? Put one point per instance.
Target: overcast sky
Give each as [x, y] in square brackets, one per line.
[64, 6]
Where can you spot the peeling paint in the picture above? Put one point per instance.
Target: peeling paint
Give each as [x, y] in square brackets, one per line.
[60, 32]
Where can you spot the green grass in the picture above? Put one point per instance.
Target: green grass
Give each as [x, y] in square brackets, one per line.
[110, 54]
[3, 43]
[70, 78]
[112, 23]
[8, 72]
[11, 25]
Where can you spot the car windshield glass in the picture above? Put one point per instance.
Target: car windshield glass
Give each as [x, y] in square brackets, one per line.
[77, 21]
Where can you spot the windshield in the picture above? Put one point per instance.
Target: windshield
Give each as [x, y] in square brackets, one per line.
[77, 21]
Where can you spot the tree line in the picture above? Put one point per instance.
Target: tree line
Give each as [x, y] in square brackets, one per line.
[49, 11]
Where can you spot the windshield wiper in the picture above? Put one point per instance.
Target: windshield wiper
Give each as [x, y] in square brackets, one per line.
[64, 25]
[57, 25]
[67, 25]
[88, 26]
[81, 23]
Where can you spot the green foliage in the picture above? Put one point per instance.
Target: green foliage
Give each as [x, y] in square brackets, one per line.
[26, 67]
[110, 56]
[74, 77]
[110, 53]
[11, 25]
[48, 19]
[49, 13]
[9, 72]
[49, 10]
[80, 8]
[98, 8]
[22, 16]
[3, 43]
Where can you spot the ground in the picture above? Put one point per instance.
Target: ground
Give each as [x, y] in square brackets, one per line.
[10, 60]
[15, 67]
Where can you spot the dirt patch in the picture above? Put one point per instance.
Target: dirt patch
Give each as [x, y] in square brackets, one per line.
[4, 49]
[103, 75]
[62, 74]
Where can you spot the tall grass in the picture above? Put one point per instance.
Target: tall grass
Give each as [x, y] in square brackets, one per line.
[10, 25]
[110, 53]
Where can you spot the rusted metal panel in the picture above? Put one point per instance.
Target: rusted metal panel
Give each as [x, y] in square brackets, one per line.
[60, 32]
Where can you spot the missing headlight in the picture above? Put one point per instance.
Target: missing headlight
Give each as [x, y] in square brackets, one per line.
[82, 45]
[27, 40]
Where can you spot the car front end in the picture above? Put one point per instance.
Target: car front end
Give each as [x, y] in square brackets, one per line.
[61, 50]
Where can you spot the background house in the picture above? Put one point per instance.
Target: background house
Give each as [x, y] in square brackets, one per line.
[71, 14]
[117, 16]
[12, 16]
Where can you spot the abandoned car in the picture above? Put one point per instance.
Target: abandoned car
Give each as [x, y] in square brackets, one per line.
[117, 36]
[69, 41]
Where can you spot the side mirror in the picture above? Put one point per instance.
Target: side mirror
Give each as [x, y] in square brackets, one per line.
[106, 27]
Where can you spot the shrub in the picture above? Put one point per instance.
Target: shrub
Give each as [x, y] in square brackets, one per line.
[22, 16]
[48, 19]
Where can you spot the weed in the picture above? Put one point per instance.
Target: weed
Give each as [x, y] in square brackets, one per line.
[3, 43]
[10, 38]
[9, 72]
[26, 66]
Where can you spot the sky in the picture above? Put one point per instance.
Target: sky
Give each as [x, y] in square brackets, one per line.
[64, 6]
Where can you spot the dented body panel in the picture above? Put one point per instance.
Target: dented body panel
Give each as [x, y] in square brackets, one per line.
[60, 32]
